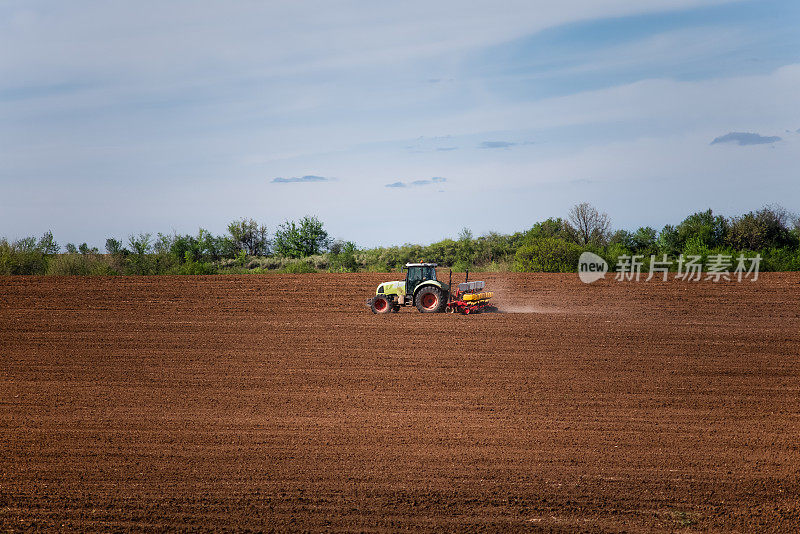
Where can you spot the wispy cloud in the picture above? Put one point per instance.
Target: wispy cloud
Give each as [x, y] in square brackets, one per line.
[497, 144]
[310, 178]
[446, 148]
[418, 183]
[745, 138]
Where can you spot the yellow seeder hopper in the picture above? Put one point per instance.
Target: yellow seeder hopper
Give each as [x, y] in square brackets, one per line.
[469, 297]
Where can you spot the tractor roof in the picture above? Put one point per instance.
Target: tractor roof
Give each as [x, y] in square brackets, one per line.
[421, 264]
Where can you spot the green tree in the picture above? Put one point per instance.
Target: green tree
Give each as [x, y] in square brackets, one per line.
[669, 241]
[552, 227]
[140, 244]
[47, 244]
[492, 247]
[622, 238]
[300, 239]
[644, 240]
[140, 247]
[84, 249]
[248, 235]
[466, 250]
[709, 228]
[114, 247]
[548, 255]
[763, 229]
[212, 247]
[22, 257]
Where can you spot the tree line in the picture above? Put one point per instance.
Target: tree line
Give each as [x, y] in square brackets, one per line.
[552, 245]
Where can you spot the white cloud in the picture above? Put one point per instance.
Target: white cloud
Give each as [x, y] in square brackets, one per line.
[169, 37]
[745, 138]
[309, 178]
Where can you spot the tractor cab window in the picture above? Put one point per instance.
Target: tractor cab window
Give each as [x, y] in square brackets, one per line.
[415, 274]
[418, 274]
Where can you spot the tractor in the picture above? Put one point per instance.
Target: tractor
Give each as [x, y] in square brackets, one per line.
[429, 295]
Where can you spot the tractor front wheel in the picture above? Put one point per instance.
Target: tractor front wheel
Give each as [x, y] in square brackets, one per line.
[381, 304]
[430, 300]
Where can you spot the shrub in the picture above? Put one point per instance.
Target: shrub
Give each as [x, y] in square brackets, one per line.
[22, 257]
[612, 253]
[778, 259]
[196, 267]
[548, 255]
[445, 252]
[695, 246]
[344, 259]
[493, 248]
[241, 258]
[461, 266]
[299, 267]
[81, 265]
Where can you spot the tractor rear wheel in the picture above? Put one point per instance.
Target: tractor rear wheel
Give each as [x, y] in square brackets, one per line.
[381, 304]
[430, 300]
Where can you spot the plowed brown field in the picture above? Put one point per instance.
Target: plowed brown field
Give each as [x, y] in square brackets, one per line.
[280, 402]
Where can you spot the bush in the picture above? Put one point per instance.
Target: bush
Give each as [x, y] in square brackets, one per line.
[24, 256]
[548, 255]
[342, 258]
[461, 266]
[299, 267]
[80, 265]
[493, 248]
[695, 246]
[778, 259]
[612, 253]
[196, 267]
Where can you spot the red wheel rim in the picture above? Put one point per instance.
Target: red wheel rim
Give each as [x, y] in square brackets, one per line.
[380, 304]
[429, 301]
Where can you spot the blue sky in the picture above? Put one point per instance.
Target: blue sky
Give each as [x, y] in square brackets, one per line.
[128, 117]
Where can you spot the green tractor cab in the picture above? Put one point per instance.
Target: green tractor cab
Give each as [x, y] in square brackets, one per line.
[420, 289]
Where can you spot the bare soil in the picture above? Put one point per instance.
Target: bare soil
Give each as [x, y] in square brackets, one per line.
[280, 402]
